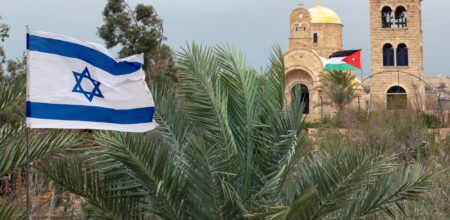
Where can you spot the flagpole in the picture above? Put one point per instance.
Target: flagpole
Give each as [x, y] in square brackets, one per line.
[27, 179]
[28, 172]
[362, 74]
[361, 70]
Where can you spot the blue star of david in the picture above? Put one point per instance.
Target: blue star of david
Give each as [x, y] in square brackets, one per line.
[79, 77]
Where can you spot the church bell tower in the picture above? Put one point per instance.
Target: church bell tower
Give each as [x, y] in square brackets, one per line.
[396, 55]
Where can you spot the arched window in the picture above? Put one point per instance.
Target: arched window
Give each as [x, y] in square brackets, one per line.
[400, 17]
[304, 26]
[397, 99]
[315, 38]
[402, 55]
[386, 17]
[304, 96]
[296, 30]
[388, 55]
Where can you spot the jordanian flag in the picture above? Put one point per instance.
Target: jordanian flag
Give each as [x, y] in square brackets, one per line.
[344, 60]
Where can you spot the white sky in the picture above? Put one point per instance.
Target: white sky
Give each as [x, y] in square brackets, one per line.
[251, 25]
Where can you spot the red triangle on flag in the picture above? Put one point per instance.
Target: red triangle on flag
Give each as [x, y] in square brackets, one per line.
[354, 59]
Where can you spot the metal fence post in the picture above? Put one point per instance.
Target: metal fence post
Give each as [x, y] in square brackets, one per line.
[441, 111]
[359, 105]
[321, 108]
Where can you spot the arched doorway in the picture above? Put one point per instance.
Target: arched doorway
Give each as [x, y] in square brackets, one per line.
[397, 99]
[304, 97]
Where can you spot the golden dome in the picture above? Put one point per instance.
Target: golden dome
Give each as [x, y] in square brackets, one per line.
[321, 14]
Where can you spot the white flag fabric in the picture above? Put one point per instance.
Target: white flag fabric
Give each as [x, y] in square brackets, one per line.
[74, 84]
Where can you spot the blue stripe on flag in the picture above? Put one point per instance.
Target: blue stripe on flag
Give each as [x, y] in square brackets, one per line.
[89, 113]
[89, 55]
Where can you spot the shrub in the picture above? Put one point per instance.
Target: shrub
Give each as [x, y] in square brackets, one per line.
[431, 121]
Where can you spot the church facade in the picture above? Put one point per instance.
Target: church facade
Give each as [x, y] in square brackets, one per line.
[397, 79]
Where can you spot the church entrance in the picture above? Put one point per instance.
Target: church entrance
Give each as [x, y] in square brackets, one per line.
[304, 97]
[397, 99]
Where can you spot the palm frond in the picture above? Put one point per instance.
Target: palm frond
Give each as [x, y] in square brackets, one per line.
[173, 123]
[9, 211]
[150, 161]
[203, 101]
[386, 194]
[10, 133]
[109, 202]
[207, 182]
[12, 90]
[278, 123]
[288, 147]
[339, 179]
[241, 83]
[41, 145]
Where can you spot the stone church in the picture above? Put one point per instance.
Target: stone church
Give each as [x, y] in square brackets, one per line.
[397, 79]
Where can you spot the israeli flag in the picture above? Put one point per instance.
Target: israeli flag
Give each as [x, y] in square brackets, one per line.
[74, 84]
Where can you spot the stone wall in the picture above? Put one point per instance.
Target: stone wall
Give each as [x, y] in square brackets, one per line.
[382, 82]
[329, 38]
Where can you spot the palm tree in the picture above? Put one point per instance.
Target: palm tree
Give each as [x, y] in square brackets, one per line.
[339, 86]
[228, 147]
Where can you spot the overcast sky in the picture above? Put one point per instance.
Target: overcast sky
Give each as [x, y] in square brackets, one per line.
[252, 25]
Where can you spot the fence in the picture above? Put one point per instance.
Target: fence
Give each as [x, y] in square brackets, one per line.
[430, 104]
